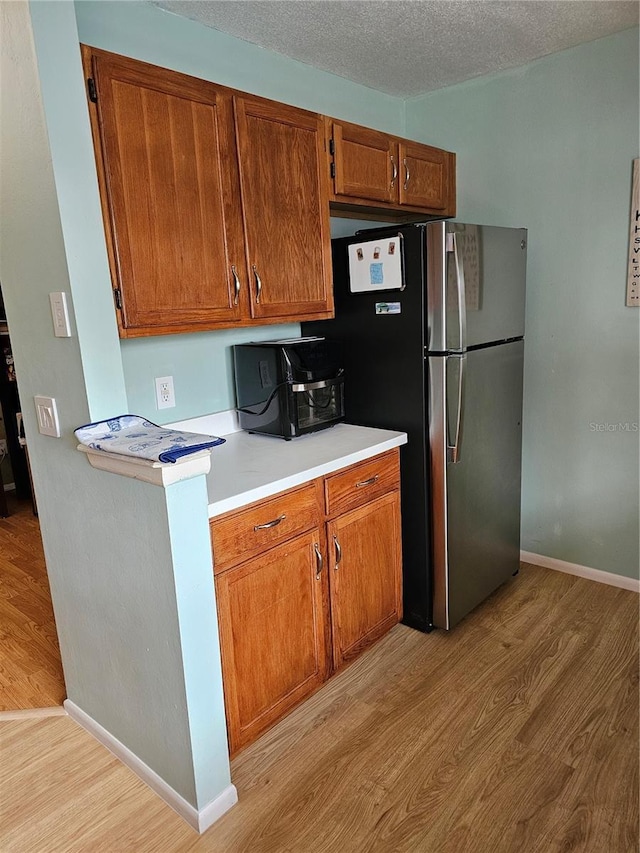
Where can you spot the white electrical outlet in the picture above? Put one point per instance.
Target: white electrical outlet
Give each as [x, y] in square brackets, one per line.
[165, 397]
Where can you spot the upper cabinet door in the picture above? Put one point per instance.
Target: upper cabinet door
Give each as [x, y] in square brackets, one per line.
[285, 206]
[169, 186]
[365, 163]
[426, 177]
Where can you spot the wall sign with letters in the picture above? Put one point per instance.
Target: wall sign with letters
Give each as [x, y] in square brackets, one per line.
[633, 275]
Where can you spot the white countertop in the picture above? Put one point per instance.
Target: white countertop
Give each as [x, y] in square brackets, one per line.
[249, 467]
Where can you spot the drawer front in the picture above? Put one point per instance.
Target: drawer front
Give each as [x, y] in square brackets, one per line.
[243, 534]
[362, 483]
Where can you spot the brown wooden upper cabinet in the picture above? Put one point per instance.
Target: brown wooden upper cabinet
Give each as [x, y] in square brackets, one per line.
[286, 210]
[215, 205]
[365, 163]
[369, 168]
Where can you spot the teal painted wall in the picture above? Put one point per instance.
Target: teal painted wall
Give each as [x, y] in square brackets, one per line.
[129, 564]
[550, 147]
[76, 185]
[201, 363]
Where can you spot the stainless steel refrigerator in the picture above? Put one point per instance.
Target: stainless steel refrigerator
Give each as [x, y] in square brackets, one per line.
[432, 322]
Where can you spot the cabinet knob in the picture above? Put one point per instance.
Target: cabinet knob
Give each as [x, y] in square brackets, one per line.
[394, 168]
[407, 174]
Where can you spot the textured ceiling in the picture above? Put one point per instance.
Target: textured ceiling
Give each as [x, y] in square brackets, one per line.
[405, 48]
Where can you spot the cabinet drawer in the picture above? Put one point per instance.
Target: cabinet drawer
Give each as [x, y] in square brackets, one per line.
[243, 534]
[362, 483]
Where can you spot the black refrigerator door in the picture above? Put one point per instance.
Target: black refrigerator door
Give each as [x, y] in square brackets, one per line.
[476, 448]
[384, 370]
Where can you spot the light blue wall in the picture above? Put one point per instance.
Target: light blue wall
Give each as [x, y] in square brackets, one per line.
[64, 101]
[550, 147]
[201, 366]
[186, 503]
[129, 564]
[201, 363]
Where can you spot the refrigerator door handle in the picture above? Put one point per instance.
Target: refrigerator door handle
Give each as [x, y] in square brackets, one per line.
[454, 449]
[462, 295]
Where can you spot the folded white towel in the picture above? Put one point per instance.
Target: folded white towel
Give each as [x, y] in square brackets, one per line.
[132, 435]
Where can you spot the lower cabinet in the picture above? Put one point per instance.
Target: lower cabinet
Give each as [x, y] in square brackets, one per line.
[305, 581]
[365, 575]
[271, 613]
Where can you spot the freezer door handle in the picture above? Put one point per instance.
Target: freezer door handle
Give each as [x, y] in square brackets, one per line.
[454, 448]
[462, 296]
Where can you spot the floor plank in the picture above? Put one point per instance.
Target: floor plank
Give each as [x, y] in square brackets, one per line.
[30, 668]
[515, 733]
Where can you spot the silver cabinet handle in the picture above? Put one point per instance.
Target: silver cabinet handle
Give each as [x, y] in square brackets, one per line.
[236, 284]
[274, 523]
[395, 170]
[319, 560]
[338, 551]
[407, 175]
[258, 284]
[368, 482]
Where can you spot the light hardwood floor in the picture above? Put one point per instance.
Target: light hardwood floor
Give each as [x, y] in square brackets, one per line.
[30, 669]
[516, 733]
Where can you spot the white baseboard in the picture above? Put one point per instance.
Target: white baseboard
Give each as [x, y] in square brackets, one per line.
[198, 819]
[581, 571]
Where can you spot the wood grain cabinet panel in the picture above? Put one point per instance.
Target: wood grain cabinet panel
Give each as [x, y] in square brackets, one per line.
[425, 175]
[216, 204]
[383, 173]
[169, 188]
[294, 604]
[365, 575]
[361, 483]
[243, 534]
[285, 204]
[271, 613]
[365, 162]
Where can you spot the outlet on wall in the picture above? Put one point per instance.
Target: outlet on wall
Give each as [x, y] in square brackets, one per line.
[165, 397]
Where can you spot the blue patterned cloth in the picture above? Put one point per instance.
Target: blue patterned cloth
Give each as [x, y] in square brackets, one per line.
[131, 435]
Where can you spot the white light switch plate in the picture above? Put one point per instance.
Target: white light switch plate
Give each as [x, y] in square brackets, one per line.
[60, 314]
[47, 414]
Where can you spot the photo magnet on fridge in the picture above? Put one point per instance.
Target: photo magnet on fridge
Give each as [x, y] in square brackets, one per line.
[376, 273]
